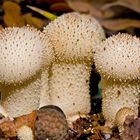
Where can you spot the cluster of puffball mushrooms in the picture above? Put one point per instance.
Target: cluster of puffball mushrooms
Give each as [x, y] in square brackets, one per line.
[53, 67]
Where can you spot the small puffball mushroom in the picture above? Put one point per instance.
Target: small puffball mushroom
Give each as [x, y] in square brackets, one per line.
[117, 60]
[24, 53]
[51, 123]
[121, 116]
[118, 57]
[25, 133]
[73, 37]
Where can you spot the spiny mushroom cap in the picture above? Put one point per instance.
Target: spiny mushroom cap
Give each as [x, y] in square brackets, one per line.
[118, 57]
[25, 133]
[74, 36]
[117, 96]
[22, 53]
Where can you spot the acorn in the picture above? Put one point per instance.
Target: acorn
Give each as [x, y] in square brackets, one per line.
[51, 123]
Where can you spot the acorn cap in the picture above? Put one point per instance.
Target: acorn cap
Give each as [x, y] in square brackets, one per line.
[51, 123]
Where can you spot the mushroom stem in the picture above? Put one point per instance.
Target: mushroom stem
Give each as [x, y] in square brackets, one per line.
[3, 112]
[117, 95]
[69, 88]
[45, 98]
[22, 99]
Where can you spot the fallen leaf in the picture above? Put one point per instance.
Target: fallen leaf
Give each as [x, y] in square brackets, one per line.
[131, 4]
[50, 1]
[9, 127]
[33, 21]
[57, 7]
[86, 7]
[120, 24]
[12, 16]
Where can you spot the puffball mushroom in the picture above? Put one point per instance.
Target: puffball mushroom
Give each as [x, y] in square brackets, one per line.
[121, 116]
[118, 61]
[24, 53]
[25, 133]
[73, 37]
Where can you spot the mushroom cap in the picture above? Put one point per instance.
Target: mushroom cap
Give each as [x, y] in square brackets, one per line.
[22, 53]
[118, 57]
[74, 36]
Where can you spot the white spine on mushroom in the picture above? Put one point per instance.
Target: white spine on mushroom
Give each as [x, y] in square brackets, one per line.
[25, 133]
[69, 86]
[24, 99]
[73, 37]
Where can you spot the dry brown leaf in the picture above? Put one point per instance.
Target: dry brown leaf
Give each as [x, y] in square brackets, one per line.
[33, 21]
[86, 7]
[12, 15]
[131, 4]
[61, 6]
[9, 128]
[120, 24]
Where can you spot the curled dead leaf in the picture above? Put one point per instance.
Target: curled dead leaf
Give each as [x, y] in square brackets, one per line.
[131, 4]
[9, 127]
[120, 24]
[92, 9]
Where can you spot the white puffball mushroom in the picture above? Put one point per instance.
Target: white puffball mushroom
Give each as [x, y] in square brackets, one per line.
[118, 57]
[24, 54]
[121, 116]
[25, 133]
[73, 37]
[117, 61]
